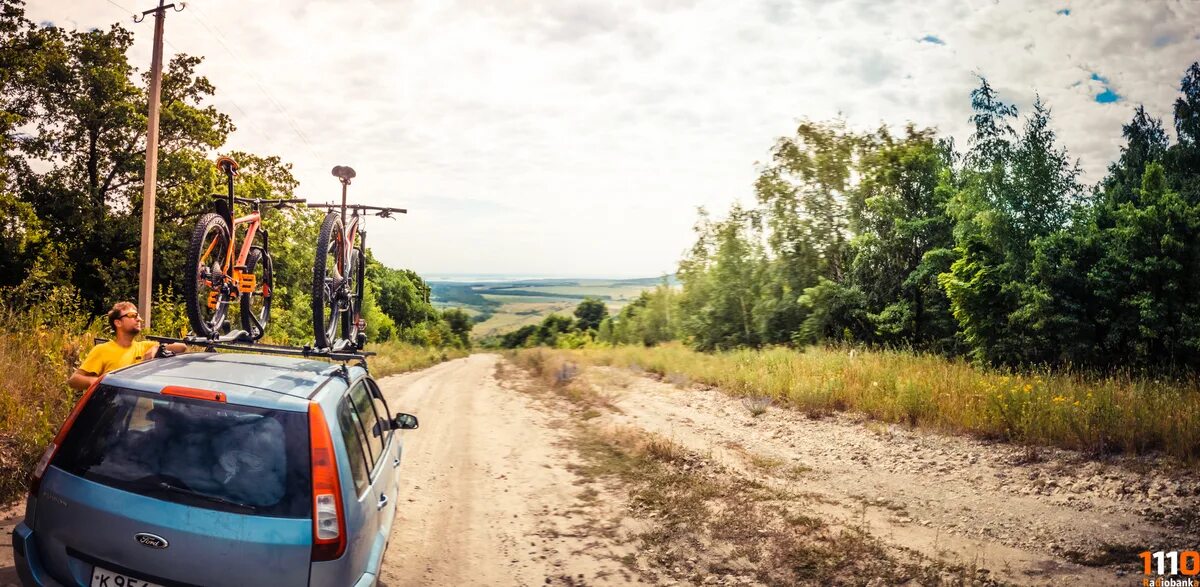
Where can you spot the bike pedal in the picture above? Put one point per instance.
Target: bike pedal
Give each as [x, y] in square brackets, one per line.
[246, 282]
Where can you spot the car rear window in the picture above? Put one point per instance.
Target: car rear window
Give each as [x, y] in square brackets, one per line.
[196, 452]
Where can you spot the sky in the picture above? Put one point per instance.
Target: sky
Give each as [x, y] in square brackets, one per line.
[578, 138]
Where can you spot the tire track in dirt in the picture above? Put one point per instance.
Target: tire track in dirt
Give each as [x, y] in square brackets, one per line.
[486, 494]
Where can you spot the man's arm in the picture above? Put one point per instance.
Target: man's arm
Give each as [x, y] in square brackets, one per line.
[81, 380]
[177, 347]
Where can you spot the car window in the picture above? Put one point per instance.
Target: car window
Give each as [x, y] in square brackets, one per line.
[200, 453]
[381, 409]
[366, 412]
[352, 436]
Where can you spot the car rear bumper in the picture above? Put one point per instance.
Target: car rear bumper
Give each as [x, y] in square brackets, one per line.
[25, 557]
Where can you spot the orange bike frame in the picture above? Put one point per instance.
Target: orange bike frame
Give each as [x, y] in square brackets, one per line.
[255, 219]
[348, 244]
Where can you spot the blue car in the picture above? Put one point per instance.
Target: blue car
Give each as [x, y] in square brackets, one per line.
[217, 470]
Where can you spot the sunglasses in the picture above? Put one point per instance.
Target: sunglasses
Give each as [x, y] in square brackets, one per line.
[132, 315]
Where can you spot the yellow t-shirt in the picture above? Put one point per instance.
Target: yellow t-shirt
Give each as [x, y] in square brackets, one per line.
[107, 356]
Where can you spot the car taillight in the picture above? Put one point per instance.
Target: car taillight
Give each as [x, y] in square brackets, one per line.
[43, 463]
[329, 519]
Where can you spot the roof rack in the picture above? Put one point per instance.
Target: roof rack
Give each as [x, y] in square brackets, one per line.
[233, 341]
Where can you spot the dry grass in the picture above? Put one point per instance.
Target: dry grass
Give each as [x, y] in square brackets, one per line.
[396, 357]
[563, 376]
[1093, 414]
[37, 355]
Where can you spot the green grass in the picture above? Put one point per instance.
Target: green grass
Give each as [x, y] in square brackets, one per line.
[1095, 414]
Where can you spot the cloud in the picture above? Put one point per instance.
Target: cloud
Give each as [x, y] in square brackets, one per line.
[554, 137]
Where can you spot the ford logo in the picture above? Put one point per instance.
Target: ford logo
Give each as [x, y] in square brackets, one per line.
[150, 540]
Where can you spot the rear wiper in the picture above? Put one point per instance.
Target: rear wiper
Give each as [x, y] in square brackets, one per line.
[212, 498]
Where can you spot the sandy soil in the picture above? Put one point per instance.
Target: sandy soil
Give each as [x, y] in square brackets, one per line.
[949, 498]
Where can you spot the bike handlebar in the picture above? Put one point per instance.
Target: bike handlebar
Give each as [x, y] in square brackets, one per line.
[262, 201]
[380, 211]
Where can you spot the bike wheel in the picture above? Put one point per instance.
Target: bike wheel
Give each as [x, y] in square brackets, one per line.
[330, 298]
[256, 305]
[207, 288]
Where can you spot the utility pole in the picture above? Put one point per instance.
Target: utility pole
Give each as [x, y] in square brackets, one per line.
[146, 273]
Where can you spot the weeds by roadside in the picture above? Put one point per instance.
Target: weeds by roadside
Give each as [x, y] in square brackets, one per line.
[1094, 414]
[399, 357]
[39, 349]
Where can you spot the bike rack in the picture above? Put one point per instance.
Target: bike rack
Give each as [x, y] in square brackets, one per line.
[236, 342]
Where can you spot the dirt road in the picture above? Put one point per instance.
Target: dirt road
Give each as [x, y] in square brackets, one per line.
[487, 497]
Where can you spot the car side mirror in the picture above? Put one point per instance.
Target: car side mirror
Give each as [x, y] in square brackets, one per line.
[404, 421]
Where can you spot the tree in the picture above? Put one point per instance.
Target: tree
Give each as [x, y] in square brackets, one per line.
[1008, 196]
[1182, 160]
[80, 166]
[403, 295]
[722, 283]
[590, 312]
[902, 237]
[460, 325]
[836, 313]
[1147, 277]
[1145, 142]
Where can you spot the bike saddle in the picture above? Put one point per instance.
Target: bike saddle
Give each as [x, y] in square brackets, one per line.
[344, 172]
[227, 164]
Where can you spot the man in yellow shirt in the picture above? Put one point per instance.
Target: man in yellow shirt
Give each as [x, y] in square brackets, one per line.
[122, 351]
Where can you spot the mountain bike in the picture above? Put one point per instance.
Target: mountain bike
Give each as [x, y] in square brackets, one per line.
[339, 271]
[216, 279]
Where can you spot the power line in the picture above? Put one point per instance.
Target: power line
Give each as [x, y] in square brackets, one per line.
[220, 38]
[246, 117]
[127, 11]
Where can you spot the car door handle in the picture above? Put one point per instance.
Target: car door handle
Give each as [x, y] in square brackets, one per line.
[382, 502]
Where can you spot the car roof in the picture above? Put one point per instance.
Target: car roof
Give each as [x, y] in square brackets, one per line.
[253, 379]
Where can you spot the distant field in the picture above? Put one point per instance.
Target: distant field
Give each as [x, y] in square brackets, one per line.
[511, 299]
[513, 316]
[503, 306]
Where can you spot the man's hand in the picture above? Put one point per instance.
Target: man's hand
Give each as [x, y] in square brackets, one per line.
[160, 350]
[81, 380]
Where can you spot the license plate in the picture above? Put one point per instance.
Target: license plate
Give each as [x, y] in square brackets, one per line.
[106, 578]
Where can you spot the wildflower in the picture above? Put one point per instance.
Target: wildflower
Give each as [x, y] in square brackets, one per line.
[1028, 388]
[1058, 399]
